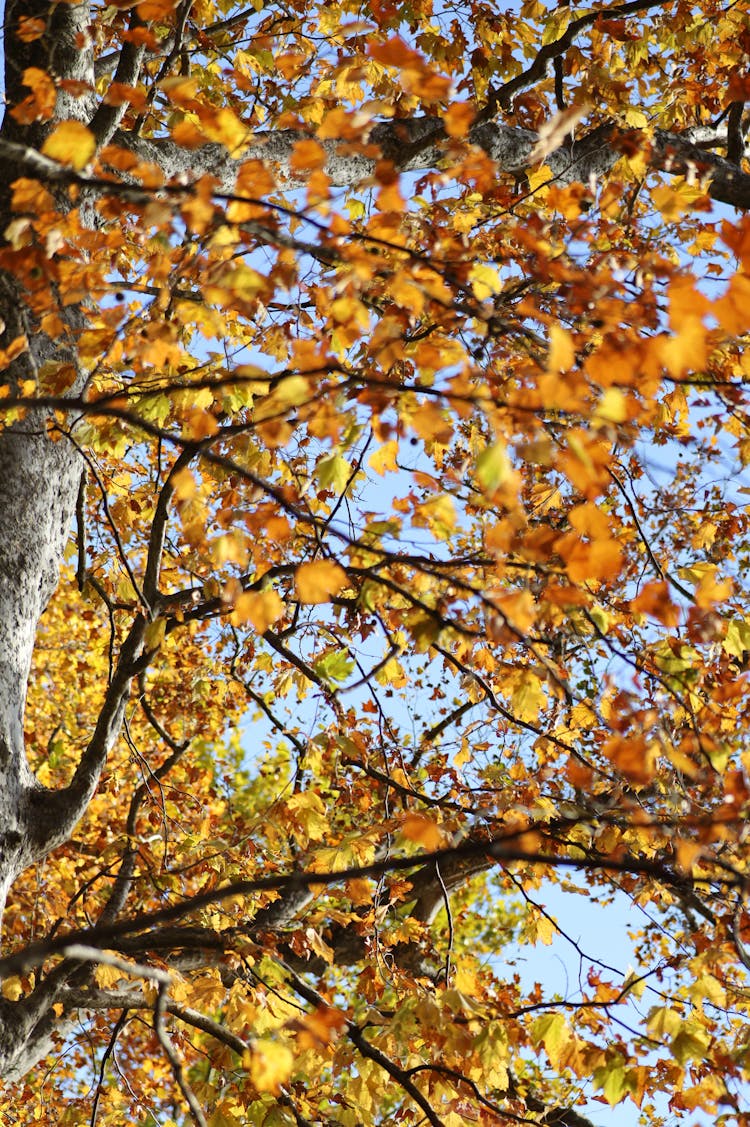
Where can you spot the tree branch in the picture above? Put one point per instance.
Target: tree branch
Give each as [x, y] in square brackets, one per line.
[500, 849]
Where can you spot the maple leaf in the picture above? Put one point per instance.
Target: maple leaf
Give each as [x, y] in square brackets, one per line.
[270, 1065]
[71, 143]
[260, 608]
[317, 582]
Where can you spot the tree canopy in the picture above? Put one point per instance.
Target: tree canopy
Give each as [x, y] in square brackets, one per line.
[373, 539]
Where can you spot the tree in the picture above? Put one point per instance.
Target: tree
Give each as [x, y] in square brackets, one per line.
[372, 545]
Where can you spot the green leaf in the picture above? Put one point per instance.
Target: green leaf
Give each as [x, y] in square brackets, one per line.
[612, 1079]
[737, 639]
[556, 26]
[334, 472]
[690, 1043]
[334, 667]
[553, 1032]
[493, 467]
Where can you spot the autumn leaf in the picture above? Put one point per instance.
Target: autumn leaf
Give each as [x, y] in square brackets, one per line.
[553, 1032]
[307, 155]
[654, 599]
[633, 755]
[12, 988]
[40, 104]
[595, 560]
[260, 608]
[383, 459]
[71, 143]
[458, 119]
[319, 581]
[269, 1064]
[562, 350]
[423, 830]
[31, 28]
[320, 1027]
[494, 467]
[553, 132]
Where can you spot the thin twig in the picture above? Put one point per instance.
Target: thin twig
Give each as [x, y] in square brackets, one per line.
[160, 1008]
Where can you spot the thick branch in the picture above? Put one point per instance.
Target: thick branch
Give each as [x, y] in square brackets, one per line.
[502, 850]
[589, 158]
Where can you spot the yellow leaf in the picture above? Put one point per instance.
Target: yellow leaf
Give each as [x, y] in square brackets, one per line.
[183, 484]
[672, 200]
[12, 988]
[107, 976]
[154, 634]
[318, 945]
[70, 143]
[207, 992]
[562, 353]
[317, 582]
[527, 696]
[270, 1065]
[612, 407]
[553, 1032]
[712, 590]
[384, 458]
[224, 126]
[260, 608]
[539, 179]
[485, 281]
[437, 514]
[308, 811]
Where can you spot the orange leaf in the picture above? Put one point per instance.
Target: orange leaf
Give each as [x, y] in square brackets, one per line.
[424, 831]
[320, 1027]
[254, 179]
[396, 53]
[30, 29]
[40, 104]
[598, 559]
[307, 155]
[317, 582]
[654, 599]
[458, 119]
[152, 10]
[260, 608]
[633, 756]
